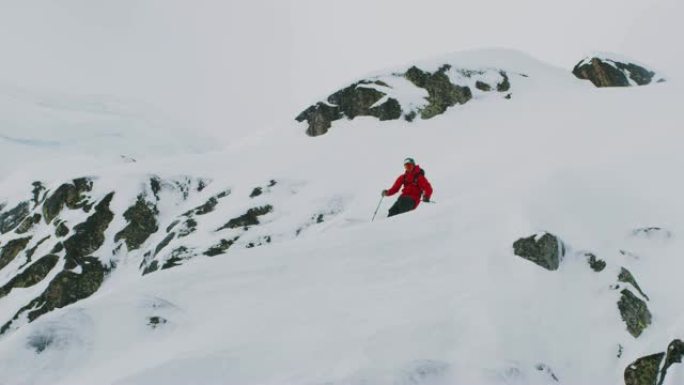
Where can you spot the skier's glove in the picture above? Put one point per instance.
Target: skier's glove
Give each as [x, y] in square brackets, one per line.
[426, 199]
[384, 193]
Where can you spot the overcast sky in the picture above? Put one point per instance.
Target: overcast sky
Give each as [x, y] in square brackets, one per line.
[233, 66]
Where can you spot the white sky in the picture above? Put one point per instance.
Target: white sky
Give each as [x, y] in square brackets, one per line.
[229, 67]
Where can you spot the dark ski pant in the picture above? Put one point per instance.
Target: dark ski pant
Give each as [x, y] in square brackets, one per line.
[402, 205]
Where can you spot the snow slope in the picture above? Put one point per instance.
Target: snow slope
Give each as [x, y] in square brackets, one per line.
[432, 297]
[39, 127]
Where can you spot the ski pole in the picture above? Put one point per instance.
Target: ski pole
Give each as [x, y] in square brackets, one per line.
[378, 208]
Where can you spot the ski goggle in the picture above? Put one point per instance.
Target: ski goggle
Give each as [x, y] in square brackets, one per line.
[409, 161]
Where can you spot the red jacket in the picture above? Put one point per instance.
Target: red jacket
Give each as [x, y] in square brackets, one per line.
[414, 183]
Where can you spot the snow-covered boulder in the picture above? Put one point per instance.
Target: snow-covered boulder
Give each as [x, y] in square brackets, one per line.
[544, 249]
[611, 71]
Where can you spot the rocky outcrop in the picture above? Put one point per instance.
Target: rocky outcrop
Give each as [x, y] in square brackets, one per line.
[627, 277]
[11, 250]
[142, 222]
[250, 218]
[35, 273]
[633, 309]
[596, 264]
[71, 195]
[355, 100]
[442, 94]
[28, 223]
[651, 370]
[386, 97]
[82, 275]
[607, 72]
[546, 250]
[10, 219]
[221, 247]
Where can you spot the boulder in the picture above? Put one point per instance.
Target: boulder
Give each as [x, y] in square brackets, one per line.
[546, 250]
[634, 312]
[607, 72]
[644, 371]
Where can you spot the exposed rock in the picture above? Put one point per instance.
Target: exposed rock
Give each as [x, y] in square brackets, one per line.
[57, 248]
[155, 185]
[189, 227]
[221, 247]
[152, 267]
[482, 86]
[644, 371]
[546, 250]
[31, 251]
[66, 288]
[11, 250]
[156, 321]
[32, 275]
[38, 188]
[256, 192]
[319, 117]
[164, 243]
[358, 100]
[177, 256]
[62, 230]
[142, 222]
[442, 94]
[260, 242]
[69, 194]
[89, 235]
[172, 225]
[603, 72]
[634, 312]
[250, 218]
[596, 264]
[28, 223]
[627, 277]
[648, 371]
[505, 84]
[355, 100]
[12, 218]
[675, 352]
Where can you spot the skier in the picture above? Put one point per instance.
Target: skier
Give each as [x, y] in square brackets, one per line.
[415, 184]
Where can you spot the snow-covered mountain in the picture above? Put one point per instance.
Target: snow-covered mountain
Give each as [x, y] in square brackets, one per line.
[550, 255]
